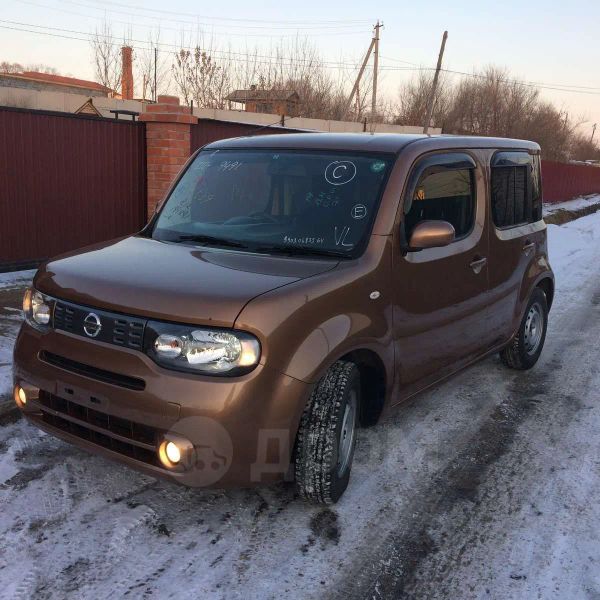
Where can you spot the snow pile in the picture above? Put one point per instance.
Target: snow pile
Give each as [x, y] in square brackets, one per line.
[16, 279]
[575, 204]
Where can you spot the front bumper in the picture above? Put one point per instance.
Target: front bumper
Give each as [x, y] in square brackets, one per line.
[242, 429]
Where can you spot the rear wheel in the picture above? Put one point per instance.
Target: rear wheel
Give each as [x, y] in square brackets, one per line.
[327, 435]
[525, 348]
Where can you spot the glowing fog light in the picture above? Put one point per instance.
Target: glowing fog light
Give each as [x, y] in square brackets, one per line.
[173, 453]
[20, 396]
[170, 453]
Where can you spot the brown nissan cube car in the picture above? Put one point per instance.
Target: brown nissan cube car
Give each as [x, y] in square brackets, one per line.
[290, 289]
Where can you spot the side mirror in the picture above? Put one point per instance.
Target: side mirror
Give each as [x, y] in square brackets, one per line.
[431, 234]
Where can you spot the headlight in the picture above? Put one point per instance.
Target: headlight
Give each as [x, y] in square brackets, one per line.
[201, 350]
[37, 309]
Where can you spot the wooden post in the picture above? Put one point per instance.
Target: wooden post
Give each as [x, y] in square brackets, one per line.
[375, 70]
[434, 86]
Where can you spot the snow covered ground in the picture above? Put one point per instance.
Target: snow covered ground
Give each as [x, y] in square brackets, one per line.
[485, 487]
[11, 291]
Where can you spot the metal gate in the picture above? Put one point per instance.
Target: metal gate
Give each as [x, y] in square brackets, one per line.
[209, 130]
[67, 181]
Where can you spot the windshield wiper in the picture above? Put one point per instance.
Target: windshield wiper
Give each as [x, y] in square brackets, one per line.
[208, 240]
[299, 251]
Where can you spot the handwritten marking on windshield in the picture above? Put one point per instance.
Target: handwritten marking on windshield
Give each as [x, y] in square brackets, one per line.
[340, 172]
[340, 240]
[359, 211]
[230, 165]
[303, 240]
[323, 199]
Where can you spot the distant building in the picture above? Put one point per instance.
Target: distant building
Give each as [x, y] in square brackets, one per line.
[46, 82]
[88, 108]
[278, 102]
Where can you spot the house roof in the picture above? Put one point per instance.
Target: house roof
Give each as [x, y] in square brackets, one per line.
[88, 108]
[262, 95]
[60, 80]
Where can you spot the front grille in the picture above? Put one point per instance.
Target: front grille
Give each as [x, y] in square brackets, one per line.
[120, 435]
[115, 328]
[125, 381]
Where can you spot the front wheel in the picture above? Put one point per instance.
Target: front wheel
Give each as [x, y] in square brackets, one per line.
[327, 435]
[525, 348]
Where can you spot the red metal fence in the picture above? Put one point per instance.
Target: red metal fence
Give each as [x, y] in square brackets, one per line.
[209, 130]
[563, 181]
[67, 181]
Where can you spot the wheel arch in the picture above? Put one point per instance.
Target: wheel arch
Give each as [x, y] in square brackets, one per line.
[547, 286]
[373, 383]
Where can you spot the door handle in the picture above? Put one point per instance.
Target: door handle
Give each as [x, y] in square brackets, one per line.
[528, 247]
[477, 265]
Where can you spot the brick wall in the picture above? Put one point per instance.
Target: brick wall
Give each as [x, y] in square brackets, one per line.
[168, 146]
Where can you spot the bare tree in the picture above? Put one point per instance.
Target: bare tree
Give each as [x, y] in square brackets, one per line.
[6, 67]
[491, 103]
[207, 75]
[199, 78]
[107, 57]
[146, 68]
[582, 148]
[413, 98]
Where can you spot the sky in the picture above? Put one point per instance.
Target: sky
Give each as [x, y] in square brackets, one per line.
[555, 44]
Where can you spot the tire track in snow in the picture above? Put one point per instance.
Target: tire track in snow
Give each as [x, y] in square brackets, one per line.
[451, 514]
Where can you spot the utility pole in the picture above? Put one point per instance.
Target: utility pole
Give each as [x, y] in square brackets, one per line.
[374, 44]
[357, 82]
[375, 70]
[593, 133]
[155, 61]
[431, 101]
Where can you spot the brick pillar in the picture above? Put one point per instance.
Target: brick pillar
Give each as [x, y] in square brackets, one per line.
[168, 129]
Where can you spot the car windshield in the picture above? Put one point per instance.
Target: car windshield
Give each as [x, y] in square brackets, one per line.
[289, 202]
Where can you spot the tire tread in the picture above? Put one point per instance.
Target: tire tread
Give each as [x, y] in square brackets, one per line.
[316, 439]
[513, 355]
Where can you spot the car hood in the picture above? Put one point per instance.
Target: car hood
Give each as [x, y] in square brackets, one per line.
[168, 281]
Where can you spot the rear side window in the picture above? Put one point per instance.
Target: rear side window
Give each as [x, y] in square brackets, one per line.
[516, 189]
[444, 191]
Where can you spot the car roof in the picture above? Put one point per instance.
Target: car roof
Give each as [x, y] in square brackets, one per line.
[368, 142]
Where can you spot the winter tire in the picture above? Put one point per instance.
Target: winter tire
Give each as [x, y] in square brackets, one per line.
[525, 348]
[327, 435]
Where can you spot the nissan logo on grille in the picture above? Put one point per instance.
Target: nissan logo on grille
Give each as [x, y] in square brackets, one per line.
[92, 325]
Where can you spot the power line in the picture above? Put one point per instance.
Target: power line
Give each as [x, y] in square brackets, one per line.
[139, 11]
[516, 81]
[545, 86]
[274, 60]
[400, 61]
[324, 30]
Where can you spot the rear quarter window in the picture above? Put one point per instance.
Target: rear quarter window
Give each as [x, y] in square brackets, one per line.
[515, 189]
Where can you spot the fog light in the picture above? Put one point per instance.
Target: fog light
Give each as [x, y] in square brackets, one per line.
[172, 452]
[20, 396]
[169, 454]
